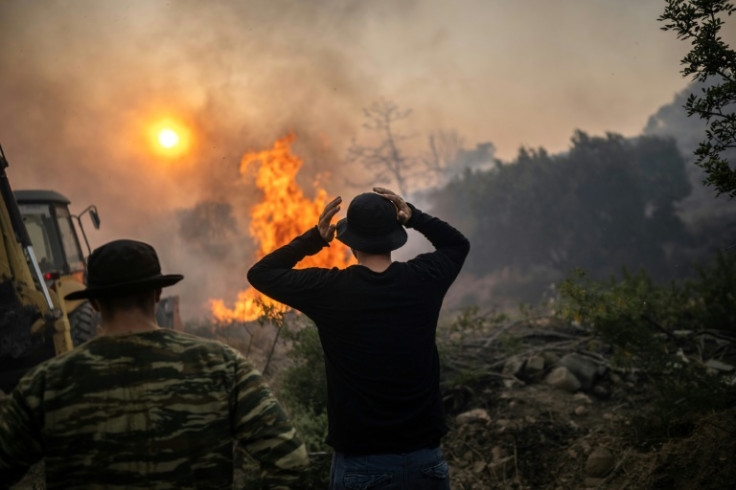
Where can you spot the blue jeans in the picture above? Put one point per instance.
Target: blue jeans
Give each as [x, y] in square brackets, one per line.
[418, 470]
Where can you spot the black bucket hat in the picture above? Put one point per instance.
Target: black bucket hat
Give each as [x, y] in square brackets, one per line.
[371, 225]
[123, 266]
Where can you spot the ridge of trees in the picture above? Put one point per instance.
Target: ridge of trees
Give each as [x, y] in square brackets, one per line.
[606, 203]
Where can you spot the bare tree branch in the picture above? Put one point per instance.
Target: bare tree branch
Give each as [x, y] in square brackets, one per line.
[386, 159]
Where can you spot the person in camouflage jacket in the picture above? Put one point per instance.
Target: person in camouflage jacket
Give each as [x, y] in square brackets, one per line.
[140, 406]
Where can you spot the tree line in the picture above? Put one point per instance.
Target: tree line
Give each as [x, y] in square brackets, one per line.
[609, 202]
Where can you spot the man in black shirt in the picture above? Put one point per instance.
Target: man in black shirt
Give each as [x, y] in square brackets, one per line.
[377, 323]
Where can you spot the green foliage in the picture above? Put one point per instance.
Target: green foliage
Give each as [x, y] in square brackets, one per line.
[470, 321]
[304, 385]
[712, 60]
[639, 319]
[628, 313]
[511, 344]
[302, 388]
[714, 290]
[274, 315]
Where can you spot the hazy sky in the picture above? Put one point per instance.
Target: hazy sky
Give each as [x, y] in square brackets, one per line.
[83, 80]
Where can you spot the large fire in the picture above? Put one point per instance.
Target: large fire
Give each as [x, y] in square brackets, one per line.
[284, 213]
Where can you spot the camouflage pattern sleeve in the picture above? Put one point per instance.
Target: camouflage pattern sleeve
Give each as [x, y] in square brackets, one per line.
[20, 437]
[261, 427]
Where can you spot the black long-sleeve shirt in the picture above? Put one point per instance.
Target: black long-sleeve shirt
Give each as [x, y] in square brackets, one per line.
[378, 335]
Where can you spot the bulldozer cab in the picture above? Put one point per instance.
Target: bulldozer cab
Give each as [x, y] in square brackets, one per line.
[49, 224]
[53, 230]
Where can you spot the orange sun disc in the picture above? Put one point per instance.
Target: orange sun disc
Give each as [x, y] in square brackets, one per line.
[168, 138]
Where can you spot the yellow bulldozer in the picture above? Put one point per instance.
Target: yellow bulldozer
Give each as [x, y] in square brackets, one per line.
[52, 231]
[34, 325]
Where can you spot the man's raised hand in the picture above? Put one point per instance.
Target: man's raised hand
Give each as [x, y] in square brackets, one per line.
[325, 227]
[403, 211]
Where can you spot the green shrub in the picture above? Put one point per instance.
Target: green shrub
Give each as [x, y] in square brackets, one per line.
[303, 390]
[304, 387]
[713, 294]
[657, 331]
[628, 313]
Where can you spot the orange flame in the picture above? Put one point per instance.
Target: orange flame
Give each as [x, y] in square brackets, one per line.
[283, 214]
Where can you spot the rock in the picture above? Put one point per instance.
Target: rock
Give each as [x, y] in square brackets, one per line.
[584, 368]
[534, 367]
[561, 378]
[550, 358]
[513, 366]
[601, 370]
[594, 482]
[602, 391]
[600, 463]
[473, 416]
[511, 382]
[583, 398]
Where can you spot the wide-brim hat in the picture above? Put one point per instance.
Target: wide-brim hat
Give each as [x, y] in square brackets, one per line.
[371, 225]
[123, 266]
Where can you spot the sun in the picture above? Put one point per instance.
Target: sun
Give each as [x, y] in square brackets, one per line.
[168, 138]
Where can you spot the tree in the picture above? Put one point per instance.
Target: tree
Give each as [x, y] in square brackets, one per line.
[386, 159]
[444, 149]
[444, 159]
[607, 202]
[710, 60]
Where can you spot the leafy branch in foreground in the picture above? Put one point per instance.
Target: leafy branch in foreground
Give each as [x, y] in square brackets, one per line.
[710, 60]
